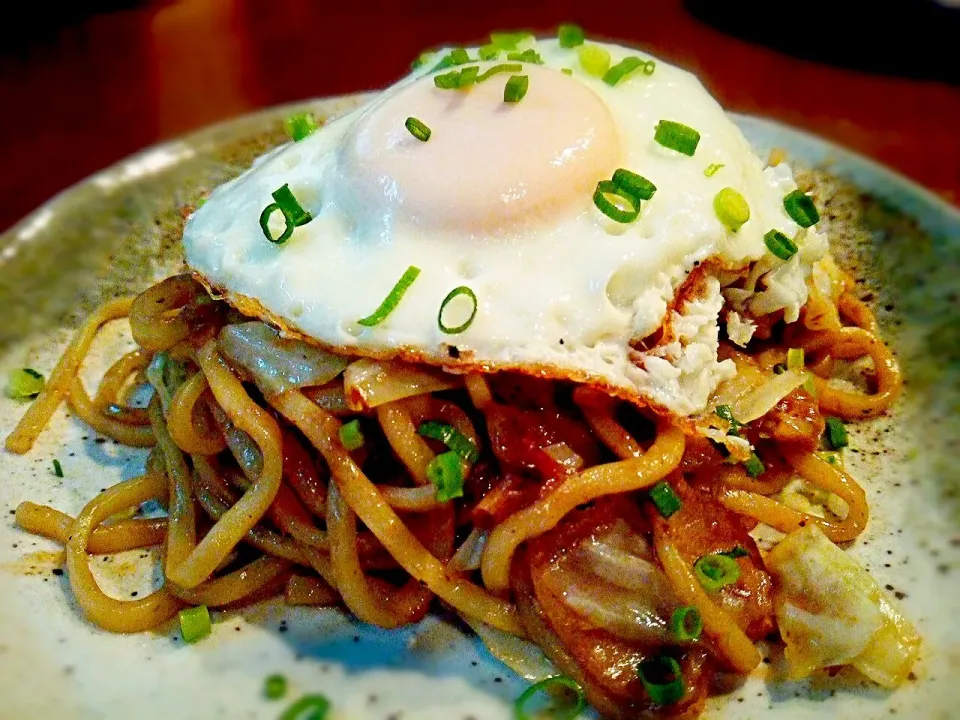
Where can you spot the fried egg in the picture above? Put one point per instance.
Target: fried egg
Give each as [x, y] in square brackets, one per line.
[500, 200]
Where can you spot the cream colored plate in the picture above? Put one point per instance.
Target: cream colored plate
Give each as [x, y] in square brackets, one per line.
[117, 231]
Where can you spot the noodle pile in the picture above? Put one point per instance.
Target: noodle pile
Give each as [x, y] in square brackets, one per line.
[262, 497]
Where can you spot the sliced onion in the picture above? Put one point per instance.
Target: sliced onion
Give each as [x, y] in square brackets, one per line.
[563, 455]
[752, 393]
[369, 383]
[277, 364]
[522, 656]
[468, 555]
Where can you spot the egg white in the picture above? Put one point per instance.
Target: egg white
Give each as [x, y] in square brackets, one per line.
[567, 293]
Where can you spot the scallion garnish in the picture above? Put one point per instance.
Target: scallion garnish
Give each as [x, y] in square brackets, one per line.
[665, 499]
[795, 359]
[570, 35]
[508, 40]
[452, 438]
[293, 214]
[686, 623]
[594, 59]
[649, 66]
[567, 71]
[456, 79]
[417, 128]
[738, 551]
[194, 623]
[636, 185]
[457, 56]
[421, 60]
[501, 68]
[393, 299]
[527, 56]
[712, 169]
[836, 434]
[24, 383]
[780, 245]
[726, 412]
[300, 125]
[351, 436]
[516, 88]
[275, 687]
[57, 468]
[446, 473]
[754, 466]
[519, 705]
[731, 209]
[623, 68]
[716, 571]
[677, 136]
[622, 208]
[309, 707]
[462, 291]
[488, 52]
[800, 208]
[662, 679]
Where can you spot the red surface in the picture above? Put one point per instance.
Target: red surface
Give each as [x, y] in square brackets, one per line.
[125, 80]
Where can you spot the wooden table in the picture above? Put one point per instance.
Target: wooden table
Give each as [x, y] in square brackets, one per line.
[94, 93]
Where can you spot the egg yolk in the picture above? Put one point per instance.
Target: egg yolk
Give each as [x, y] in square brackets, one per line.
[488, 165]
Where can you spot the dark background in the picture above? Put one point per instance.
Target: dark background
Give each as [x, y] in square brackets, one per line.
[83, 85]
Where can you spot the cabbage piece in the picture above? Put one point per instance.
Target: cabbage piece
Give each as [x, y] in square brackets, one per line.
[831, 612]
[277, 364]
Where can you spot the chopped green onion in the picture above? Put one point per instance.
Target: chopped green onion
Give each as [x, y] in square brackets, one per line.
[57, 468]
[300, 125]
[468, 76]
[595, 60]
[452, 438]
[446, 473]
[194, 623]
[754, 466]
[293, 214]
[795, 359]
[716, 571]
[662, 679]
[463, 290]
[509, 40]
[421, 60]
[712, 169]
[351, 436]
[836, 434]
[731, 208]
[501, 68]
[726, 412]
[623, 68]
[570, 35]
[417, 128]
[677, 136]
[457, 56]
[665, 499]
[628, 208]
[275, 687]
[393, 299]
[780, 245]
[738, 552]
[686, 623]
[567, 71]
[528, 56]
[309, 707]
[649, 67]
[447, 81]
[636, 185]
[24, 383]
[516, 88]
[520, 712]
[800, 208]
[488, 52]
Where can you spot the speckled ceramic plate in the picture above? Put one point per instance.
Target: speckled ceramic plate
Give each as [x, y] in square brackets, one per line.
[119, 230]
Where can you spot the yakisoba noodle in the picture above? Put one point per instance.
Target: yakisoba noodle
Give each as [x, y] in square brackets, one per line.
[291, 511]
